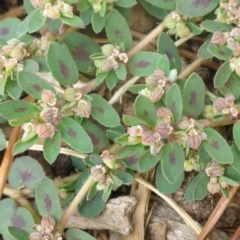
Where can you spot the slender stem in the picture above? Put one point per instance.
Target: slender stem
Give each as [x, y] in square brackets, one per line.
[145, 41]
[74, 204]
[236, 234]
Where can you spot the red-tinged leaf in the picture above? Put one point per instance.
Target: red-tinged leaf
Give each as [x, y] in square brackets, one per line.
[47, 199]
[81, 47]
[174, 102]
[61, 64]
[147, 161]
[33, 84]
[145, 110]
[222, 75]
[75, 136]
[172, 162]
[196, 8]
[193, 96]
[17, 109]
[25, 171]
[77, 234]
[197, 189]
[143, 64]
[217, 147]
[163, 185]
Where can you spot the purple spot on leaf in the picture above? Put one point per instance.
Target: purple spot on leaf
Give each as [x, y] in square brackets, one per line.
[193, 99]
[214, 144]
[145, 113]
[80, 53]
[76, 239]
[142, 64]
[169, 55]
[174, 107]
[118, 34]
[64, 69]
[221, 53]
[71, 132]
[4, 31]
[201, 3]
[26, 176]
[133, 159]
[100, 110]
[48, 203]
[36, 87]
[172, 158]
[18, 222]
[20, 109]
[95, 140]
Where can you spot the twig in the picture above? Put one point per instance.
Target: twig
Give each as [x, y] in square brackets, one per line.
[236, 234]
[216, 214]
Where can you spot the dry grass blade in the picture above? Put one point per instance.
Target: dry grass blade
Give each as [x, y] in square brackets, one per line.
[236, 234]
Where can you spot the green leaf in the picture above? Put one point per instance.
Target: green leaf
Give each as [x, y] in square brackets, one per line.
[126, 177]
[30, 65]
[98, 22]
[197, 189]
[111, 80]
[168, 5]
[143, 64]
[145, 110]
[121, 72]
[174, 102]
[221, 52]
[165, 45]
[33, 84]
[148, 161]
[236, 134]
[222, 75]
[232, 174]
[193, 28]
[217, 147]
[77, 234]
[126, 3]
[8, 29]
[13, 89]
[86, 16]
[75, 21]
[193, 96]
[75, 136]
[97, 135]
[47, 199]
[20, 146]
[82, 179]
[18, 233]
[25, 171]
[133, 121]
[61, 64]
[136, 88]
[231, 86]
[163, 64]
[236, 158]
[118, 33]
[103, 112]
[203, 50]
[93, 207]
[51, 147]
[172, 161]
[81, 48]
[18, 109]
[196, 8]
[2, 140]
[213, 26]
[36, 21]
[163, 185]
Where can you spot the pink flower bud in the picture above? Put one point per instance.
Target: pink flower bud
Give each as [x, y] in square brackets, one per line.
[135, 131]
[194, 141]
[49, 97]
[98, 173]
[48, 221]
[213, 187]
[45, 130]
[50, 115]
[230, 98]
[218, 38]
[83, 109]
[35, 236]
[152, 81]
[163, 129]
[156, 94]
[66, 10]
[156, 148]
[148, 138]
[51, 11]
[19, 53]
[220, 103]
[217, 169]
[10, 64]
[123, 57]
[164, 114]
[105, 183]
[109, 159]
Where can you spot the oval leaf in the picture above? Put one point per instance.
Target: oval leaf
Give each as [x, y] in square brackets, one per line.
[220, 51]
[147, 161]
[168, 5]
[217, 147]
[8, 28]
[77, 234]
[222, 75]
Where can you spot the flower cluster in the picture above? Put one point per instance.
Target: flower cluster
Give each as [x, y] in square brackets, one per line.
[46, 231]
[215, 171]
[153, 137]
[100, 4]
[110, 59]
[54, 9]
[192, 162]
[157, 82]
[225, 106]
[228, 11]
[193, 134]
[176, 23]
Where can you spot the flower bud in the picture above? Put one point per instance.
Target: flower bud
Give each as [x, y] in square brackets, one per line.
[123, 57]
[188, 166]
[10, 64]
[234, 112]
[237, 70]
[109, 159]
[217, 170]
[164, 129]
[147, 138]
[156, 148]
[51, 11]
[45, 130]
[83, 109]
[69, 94]
[194, 141]
[233, 63]
[29, 131]
[105, 65]
[36, 3]
[208, 112]
[104, 184]
[96, 7]
[107, 49]
[135, 131]
[49, 97]
[156, 94]
[183, 124]
[43, 43]
[235, 32]
[182, 30]
[2, 62]
[35, 236]
[213, 187]
[169, 22]
[220, 103]
[19, 53]
[7, 49]
[230, 98]
[63, 193]
[48, 221]
[152, 81]
[98, 173]
[165, 114]
[50, 115]
[66, 10]
[218, 38]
